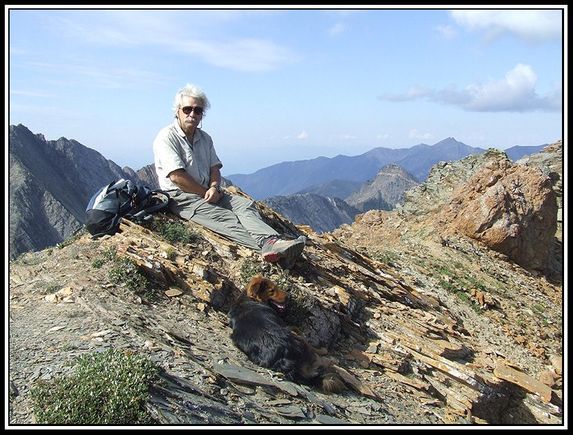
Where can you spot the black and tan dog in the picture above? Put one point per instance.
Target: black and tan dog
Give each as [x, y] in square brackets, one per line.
[268, 342]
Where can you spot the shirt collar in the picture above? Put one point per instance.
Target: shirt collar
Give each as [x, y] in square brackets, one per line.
[178, 129]
[181, 133]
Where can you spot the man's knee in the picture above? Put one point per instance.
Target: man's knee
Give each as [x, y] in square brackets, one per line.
[242, 203]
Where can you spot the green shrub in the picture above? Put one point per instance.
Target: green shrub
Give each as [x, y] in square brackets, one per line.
[110, 253]
[108, 387]
[171, 254]
[97, 263]
[174, 232]
[538, 309]
[249, 269]
[75, 236]
[388, 257]
[52, 288]
[124, 272]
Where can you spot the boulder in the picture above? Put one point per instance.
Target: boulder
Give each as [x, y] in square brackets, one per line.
[512, 209]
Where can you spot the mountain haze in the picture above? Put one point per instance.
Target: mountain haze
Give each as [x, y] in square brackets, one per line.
[326, 213]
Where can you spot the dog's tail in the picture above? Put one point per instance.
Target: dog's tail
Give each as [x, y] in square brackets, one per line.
[317, 371]
[325, 375]
[331, 382]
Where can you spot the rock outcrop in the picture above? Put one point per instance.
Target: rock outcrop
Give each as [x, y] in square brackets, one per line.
[550, 162]
[510, 208]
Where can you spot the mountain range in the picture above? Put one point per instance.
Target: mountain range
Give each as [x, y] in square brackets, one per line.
[51, 181]
[327, 212]
[294, 177]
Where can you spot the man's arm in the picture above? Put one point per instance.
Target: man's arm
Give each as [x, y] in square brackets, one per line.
[214, 193]
[186, 183]
[215, 176]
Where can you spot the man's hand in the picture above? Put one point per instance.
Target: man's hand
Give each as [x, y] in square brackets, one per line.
[212, 196]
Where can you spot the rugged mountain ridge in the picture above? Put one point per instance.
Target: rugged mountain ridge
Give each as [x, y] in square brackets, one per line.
[324, 213]
[488, 192]
[427, 329]
[51, 183]
[385, 191]
[295, 177]
[148, 176]
[334, 189]
[319, 212]
[290, 177]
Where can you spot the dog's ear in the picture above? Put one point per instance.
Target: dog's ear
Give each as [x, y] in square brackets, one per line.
[257, 288]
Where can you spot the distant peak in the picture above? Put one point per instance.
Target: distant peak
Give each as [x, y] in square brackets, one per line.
[448, 139]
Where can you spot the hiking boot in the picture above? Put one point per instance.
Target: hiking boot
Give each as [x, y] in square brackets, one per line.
[275, 249]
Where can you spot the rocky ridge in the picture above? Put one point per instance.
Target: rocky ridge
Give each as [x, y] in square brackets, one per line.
[521, 305]
[426, 330]
[550, 162]
[384, 191]
[321, 213]
[51, 183]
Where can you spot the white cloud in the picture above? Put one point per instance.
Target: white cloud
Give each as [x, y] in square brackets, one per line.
[337, 29]
[411, 94]
[173, 33]
[100, 76]
[238, 55]
[415, 134]
[448, 32]
[514, 93]
[302, 135]
[532, 25]
[347, 137]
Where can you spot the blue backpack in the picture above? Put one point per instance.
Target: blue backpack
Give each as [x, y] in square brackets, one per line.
[122, 198]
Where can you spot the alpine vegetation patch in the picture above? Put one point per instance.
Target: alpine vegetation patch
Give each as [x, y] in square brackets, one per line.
[108, 387]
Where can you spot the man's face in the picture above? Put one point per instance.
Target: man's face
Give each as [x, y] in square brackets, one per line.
[189, 113]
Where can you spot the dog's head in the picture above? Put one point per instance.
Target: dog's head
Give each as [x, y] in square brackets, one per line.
[264, 290]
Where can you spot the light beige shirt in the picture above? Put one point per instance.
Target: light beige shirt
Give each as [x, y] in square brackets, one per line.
[172, 150]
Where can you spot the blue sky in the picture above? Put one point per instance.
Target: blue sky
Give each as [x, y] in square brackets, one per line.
[289, 84]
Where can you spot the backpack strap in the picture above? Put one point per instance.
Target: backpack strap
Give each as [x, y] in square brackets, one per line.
[156, 200]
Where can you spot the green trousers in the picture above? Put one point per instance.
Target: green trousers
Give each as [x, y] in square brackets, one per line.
[234, 217]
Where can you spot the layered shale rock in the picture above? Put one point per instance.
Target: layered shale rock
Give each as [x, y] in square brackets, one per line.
[408, 353]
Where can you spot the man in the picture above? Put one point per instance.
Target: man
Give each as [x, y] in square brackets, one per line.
[189, 169]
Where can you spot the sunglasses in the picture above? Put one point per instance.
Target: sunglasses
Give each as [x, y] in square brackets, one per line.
[188, 109]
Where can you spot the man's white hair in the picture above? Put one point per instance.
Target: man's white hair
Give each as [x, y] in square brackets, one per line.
[192, 91]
